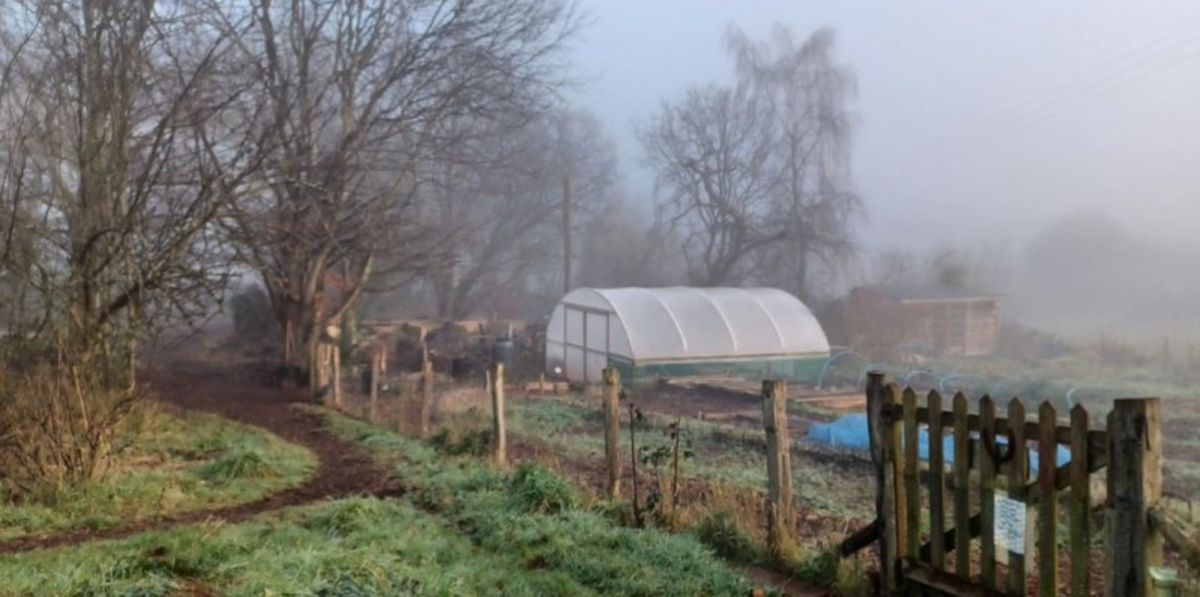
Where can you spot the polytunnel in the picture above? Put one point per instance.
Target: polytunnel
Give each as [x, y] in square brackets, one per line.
[649, 333]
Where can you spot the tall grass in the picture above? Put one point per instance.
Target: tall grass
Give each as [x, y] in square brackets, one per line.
[537, 517]
[729, 461]
[463, 529]
[240, 464]
[168, 464]
[356, 546]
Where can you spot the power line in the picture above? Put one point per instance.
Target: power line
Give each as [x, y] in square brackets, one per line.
[1068, 91]
[1066, 86]
[1114, 86]
[1128, 68]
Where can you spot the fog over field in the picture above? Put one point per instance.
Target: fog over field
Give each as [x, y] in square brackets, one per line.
[598, 297]
[977, 128]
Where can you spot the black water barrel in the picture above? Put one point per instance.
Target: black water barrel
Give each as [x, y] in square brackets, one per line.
[502, 351]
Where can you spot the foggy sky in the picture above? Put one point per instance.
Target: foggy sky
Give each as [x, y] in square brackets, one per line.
[977, 122]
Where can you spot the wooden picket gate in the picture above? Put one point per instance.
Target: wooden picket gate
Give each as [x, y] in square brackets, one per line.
[992, 493]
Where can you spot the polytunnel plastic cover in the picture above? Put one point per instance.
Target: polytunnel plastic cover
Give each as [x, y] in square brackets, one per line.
[683, 323]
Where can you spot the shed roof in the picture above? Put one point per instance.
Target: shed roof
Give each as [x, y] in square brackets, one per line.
[935, 293]
[682, 323]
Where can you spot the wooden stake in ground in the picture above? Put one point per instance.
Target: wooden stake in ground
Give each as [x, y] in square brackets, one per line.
[322, 374]
[634, 415]
[774, 394]
[879, 401]
[501, 440]
[1134, 488]
[612, 426]
[335, 363]
[426, 395]
[376, 373]
[337, 375]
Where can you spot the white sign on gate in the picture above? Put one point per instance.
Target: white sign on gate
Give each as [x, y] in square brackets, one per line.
[1010, 524]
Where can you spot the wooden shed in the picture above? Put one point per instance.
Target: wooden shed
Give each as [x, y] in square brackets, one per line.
[935, 320]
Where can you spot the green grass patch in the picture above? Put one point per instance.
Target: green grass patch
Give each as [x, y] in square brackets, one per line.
[240, 464]
[168, 464]
[536, 517]
[724, 454]
[721, 532]
[356, 546]
[538, 491]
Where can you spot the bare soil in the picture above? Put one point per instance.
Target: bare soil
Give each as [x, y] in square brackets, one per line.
[241, 393]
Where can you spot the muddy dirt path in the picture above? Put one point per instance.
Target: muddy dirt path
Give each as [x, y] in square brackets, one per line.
[238, 393]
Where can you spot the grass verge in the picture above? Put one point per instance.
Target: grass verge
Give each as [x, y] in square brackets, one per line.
[722, 486]
[537, 518]
[351, 547]
[168, 464]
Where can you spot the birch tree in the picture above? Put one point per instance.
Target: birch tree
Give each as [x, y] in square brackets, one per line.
[754, 174]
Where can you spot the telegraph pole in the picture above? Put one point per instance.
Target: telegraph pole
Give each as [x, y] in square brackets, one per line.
[566, 208]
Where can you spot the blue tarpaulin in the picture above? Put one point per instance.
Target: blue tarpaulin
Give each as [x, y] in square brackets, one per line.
[851, 433]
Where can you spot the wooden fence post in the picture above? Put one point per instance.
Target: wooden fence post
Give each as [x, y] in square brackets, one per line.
[962, 490]
[1134, 487]
[1018, 474]
[612, 427]
[912, 480]
[376, 373]
[774, 394]
[335, 357]
[879, 401]
[937, 482]
[320, 374]
[987, 492]
[1081, 537]
[1047, 541]
[426, 396]
[499, 437]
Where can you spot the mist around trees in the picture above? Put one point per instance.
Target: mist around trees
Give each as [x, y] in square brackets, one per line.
[356, 159]
[419, 158]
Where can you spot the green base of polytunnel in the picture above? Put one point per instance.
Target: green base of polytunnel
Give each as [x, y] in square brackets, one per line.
[795, 369]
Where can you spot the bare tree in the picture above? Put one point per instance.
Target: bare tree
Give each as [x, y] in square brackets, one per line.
[755, 173]
[501, 213]
[807, 91]
[711, 153]
[620, 247]
[361, 95]
[892, 266]
[118, 159]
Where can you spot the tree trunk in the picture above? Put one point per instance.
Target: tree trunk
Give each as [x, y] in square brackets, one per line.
[801, 281]
[298, 342]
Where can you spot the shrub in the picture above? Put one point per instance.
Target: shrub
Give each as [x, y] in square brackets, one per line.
[59, 426]
[820, 568]
[852, 579]
[725, 536]
[349, 516]
[618, 512]
[537, 490]
[364, 584]
[240, 464]
[458, 442]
